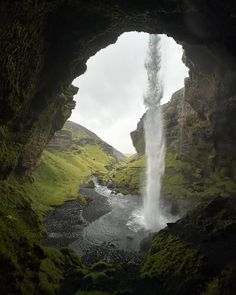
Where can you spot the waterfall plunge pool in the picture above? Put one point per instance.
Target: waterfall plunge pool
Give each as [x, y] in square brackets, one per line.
[110, 227]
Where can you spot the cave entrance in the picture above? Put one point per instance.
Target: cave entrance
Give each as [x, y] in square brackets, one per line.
[110, 104]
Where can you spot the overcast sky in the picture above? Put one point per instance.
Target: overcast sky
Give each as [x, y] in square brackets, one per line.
[110, 97]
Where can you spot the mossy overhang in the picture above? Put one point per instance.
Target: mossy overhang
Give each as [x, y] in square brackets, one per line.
[45, 45]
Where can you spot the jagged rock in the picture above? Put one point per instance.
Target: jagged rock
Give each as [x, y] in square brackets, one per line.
[38, 134]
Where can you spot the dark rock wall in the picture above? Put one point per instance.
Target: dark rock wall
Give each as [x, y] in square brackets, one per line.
[195, 253]
[198, 134]
[45, 45]
[210, 91]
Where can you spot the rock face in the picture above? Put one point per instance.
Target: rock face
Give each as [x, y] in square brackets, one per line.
[45, 45]
[198, 145]
[21, 147]
[195, 255]
[137, 137]
[180, 125]
[61, 141]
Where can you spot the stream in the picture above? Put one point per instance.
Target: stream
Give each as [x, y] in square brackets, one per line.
[109, 227]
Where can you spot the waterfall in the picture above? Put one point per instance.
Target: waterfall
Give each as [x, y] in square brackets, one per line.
[154, 138]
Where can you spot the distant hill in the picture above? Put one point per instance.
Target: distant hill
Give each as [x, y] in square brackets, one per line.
[79, 131]
[74, 135]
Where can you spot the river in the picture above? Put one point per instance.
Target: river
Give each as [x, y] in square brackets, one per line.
[109, 227]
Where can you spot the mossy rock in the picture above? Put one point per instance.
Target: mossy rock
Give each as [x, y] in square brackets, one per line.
[49, 277]
[224, 284]
[96, 278]
[173, 266]
[91, 293]
[101, 266]
[89, 184]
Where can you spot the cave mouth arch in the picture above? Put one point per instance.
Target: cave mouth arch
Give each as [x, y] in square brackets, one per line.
[56, 40]
[45, 45]
[110, 97]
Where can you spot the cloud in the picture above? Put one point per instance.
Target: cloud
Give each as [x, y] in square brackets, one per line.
[110, 97]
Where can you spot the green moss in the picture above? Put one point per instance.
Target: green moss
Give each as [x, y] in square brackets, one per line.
[69, 255]
[22, 205]
[49, 277]
[213, 288]
[20, 230]
[224, 284]
[95, 278]
[90, 184]
[173, 265]
[103, 267]
[99, 273]
[182, 179]
[8, 153]
[91, 293]
[82, 199]
[54, 267]
[100, 266]
[127, 177]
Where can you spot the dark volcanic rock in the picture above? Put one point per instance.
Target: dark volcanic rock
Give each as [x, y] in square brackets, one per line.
[196, 252]
[64, 224]
[45, 45]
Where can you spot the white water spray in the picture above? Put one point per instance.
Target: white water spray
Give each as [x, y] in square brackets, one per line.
[154, 139]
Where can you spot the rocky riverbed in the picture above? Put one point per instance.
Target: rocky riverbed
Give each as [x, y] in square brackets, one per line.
[106, 228]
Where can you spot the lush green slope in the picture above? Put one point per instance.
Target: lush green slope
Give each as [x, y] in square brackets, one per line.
[59, 175]
[23, 201]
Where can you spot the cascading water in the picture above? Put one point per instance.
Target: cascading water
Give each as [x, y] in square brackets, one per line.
[154, 139]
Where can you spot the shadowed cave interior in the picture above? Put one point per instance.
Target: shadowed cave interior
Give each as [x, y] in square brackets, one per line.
[44, 46]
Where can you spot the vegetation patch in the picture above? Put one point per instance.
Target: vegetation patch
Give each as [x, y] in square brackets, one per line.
[23, 202]
[60, 174]
[173, 266]
[182, 179]
[127, 177]
[224, 284]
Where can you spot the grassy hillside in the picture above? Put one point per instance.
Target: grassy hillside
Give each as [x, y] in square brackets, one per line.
[59, 175]
[23, 202]
[73, 155]
[82, 136]
[127, 177]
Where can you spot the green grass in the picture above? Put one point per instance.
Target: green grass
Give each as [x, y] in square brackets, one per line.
[23, 202]
[59, 175]
[182, 179]
[128, 177]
